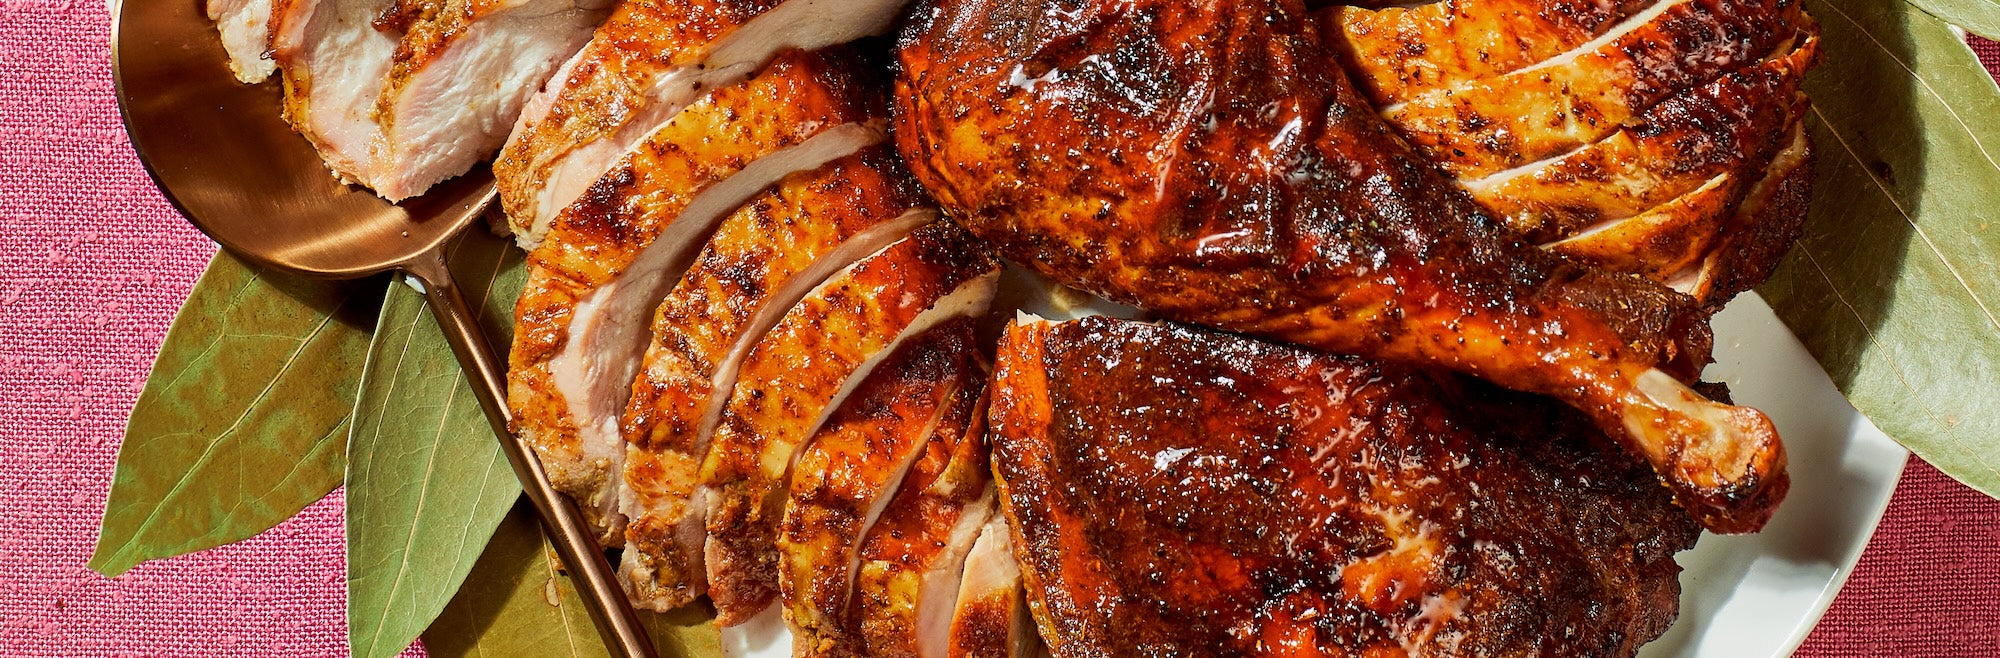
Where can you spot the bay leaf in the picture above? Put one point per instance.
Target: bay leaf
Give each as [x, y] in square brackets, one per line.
[426, 480]
[1981, 17]
[1895, 285]
[517, 603]
[243, 419]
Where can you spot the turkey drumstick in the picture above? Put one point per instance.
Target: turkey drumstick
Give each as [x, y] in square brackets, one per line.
[1202, 159]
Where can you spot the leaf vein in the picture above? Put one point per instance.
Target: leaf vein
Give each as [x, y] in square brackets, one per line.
[1991, 321]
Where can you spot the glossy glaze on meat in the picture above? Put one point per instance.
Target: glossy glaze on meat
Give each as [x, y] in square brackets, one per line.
[911, 565]
[648, 62]
[1203, 161]
[1176, 491]
[1485, 125]
[1649, 170]
[930, 391]
[614, 255]
[798, 375]
[761, 261]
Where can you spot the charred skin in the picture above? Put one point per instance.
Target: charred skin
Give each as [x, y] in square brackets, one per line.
[1175, 491]
[1486, 125]
[910, 563]
[1201, 160]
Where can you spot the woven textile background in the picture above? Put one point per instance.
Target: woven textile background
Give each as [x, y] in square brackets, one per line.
[93, 264]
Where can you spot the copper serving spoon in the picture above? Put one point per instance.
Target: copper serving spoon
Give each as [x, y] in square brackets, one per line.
[221, 152]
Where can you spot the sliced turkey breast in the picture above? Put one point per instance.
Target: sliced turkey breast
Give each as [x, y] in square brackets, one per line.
[929, 392]
[459, 79]
[991, 618]
[1556, 105]
[761, 262]
[246, 36]
[1734, 122]
[1417, 47]
[912, 563]
[1664, 122]
[610, 258]
[800, 372]
[1764, 226]
[398, 95]
[334, 61]
[648, 62]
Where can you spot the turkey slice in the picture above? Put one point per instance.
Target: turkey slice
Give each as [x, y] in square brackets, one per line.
[398, 95]
[246, 37]
[334, 61]
[594, 285]
[800, 372]
[850, 471]
[913, 562]
[991, 619]
[1764, 226]
[1663, 241]
[1735, 120]
[1481, 127]
[760, 263]
[648, 62]
[459, 80]
[1400, 51]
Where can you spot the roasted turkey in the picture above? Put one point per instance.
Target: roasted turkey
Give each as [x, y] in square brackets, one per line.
[1662, 139]
[756, 353]
[928, 393]
[761, 263]
[1209, 161]
[1177, 491]
[611, 258]
[399, 95]
[648, 62]
[797, 378]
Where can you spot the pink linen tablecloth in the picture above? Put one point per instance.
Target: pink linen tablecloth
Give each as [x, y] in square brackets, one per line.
[93, 264]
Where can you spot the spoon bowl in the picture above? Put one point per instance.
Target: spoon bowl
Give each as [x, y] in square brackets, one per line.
[223, 154]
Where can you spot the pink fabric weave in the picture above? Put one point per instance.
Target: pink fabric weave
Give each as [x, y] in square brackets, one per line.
[93, 264]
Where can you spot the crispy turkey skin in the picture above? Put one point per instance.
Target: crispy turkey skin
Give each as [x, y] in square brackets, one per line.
[1205, 161]
[1176, 491]
[1654, 167]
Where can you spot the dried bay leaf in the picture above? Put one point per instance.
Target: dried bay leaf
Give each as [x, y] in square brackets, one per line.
[243, 420]
[516, 603]
[1896, 283]
[1981, 17]
[426, 480]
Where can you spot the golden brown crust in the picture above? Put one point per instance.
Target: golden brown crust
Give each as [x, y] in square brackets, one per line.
[1410, 49]
[1770, 219]
[1182, 492]
[1488, 125]
[927, 392]
[1194, 160]
[915, 550]
[1659, 196]
[788, 382]
[592, 242]
[753, 256]
[640, 41]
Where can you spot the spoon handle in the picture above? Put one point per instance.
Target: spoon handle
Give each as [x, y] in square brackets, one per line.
[561, 519]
